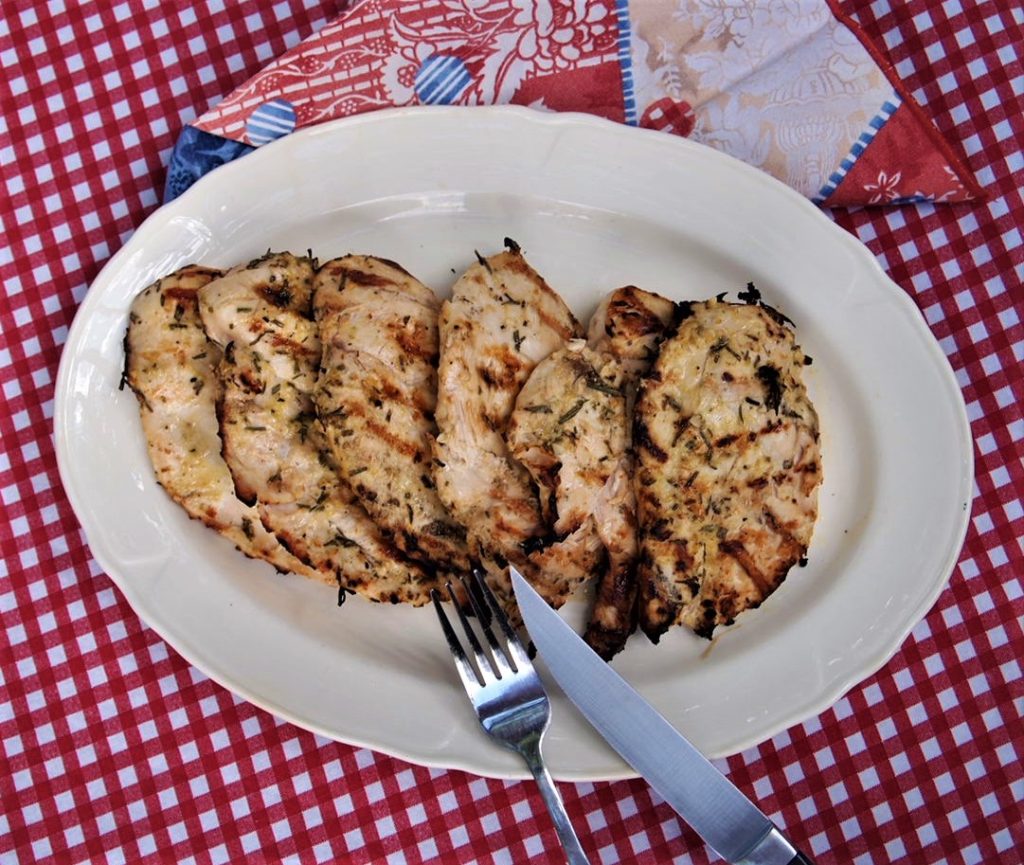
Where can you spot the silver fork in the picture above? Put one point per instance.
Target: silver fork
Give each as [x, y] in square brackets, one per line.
[508, 696]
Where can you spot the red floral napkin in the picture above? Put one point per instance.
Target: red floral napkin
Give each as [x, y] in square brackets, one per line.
[789, 86]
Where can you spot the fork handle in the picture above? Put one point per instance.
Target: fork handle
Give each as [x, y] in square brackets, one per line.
[556, 808]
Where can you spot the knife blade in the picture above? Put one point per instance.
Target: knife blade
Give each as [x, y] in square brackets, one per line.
[732, 825]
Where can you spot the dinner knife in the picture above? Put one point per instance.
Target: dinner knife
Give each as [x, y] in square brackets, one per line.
[733, 826]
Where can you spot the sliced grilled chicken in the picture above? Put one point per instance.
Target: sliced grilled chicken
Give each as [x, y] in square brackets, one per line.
[170, 365]
[501, 321]
[629, 325]
[376, 398]
[261, 315]
[613, 615]
[569, 431]
[729, 467]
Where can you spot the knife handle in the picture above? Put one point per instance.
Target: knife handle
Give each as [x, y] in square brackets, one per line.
[801, 859]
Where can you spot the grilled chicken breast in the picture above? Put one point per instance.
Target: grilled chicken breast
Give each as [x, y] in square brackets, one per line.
[500, 322]
[729, 467]
[261, 316]
[376, 398]
[629, 325]
[170, 366]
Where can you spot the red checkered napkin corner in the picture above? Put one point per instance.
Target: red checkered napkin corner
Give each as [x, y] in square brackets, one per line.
[792, 88]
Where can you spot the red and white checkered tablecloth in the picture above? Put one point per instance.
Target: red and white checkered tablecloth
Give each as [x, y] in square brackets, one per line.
[113, 749]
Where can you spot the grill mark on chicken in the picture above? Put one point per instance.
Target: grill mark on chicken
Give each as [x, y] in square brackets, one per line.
[645, 442]
[414, 346]
[170, 366]
[384, 391]
[739, 552]
[250, 382]
[726, 410]
[500, 322]
[376, 398]
[395, 442]
[186, 296]
[503, 376]
[279, 296]
[287, 345]
[402, 446]
[508, 527]
[554, 323]
[630, 316]
[361, 277]
[274, 443]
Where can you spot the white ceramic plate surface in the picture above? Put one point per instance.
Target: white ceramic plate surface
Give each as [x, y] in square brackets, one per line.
[594, 205]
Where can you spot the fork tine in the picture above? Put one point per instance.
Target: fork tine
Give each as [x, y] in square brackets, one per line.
[476, 576]
[516, 650]
[483, 664]
[470, 678]
[501, 660]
